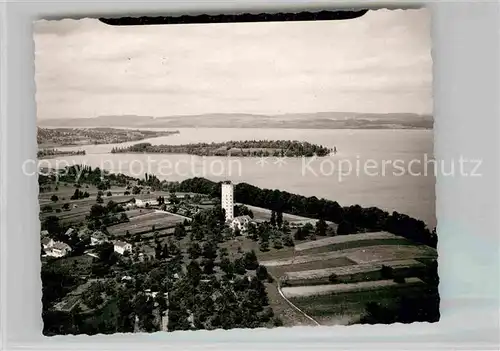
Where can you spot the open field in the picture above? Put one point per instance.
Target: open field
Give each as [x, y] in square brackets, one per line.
[359, 244]
[339, 239]
[83, 203]
[364, 255]
[352, 273]
[299, 259]
[279, 271]
[68, 191]
[145, 222]
[332, 289]
[346, 270]
[138, 212]
[391, 253]
[348, 308]
[247, 244]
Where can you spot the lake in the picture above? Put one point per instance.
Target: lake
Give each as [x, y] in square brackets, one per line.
[382, 168]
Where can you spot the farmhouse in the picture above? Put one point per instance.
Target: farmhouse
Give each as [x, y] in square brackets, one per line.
[47, 243]
[141, 203]
[98, 238]
[121, 247]
[241, 223]
[59, 249]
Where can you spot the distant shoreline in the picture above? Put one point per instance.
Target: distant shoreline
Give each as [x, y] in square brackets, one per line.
[319, 120]
[70, 137]
[242, 127]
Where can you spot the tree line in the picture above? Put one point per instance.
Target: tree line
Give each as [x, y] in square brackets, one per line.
[350, 219]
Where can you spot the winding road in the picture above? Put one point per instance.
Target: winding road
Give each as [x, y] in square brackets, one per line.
[293, 306]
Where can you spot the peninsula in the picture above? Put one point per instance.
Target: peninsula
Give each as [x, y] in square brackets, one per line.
[48, 153]
[48, 137]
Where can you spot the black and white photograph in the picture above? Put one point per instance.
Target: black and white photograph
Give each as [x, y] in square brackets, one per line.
[236, 175]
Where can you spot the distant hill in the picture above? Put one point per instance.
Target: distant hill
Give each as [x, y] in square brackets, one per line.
[319, 120]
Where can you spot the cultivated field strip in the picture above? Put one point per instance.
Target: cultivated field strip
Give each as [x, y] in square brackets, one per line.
[138, 212]
[332, 289]
[391, 253]
[343, 239]
[362, 255]
[348, 270]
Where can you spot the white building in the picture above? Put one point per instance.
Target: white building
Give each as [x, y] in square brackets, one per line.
[144, 203]
[58, 249]
[227, 200]
[241, 223]
[121, 247]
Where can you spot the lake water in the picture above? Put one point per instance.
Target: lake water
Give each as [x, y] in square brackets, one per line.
[382, 168]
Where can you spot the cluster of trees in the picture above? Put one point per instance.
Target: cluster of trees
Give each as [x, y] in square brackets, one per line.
[422, 308]
[308, 231]
[102, 216]
[271, 234]
[78, 194]
[201, 299]
[55, 152]
[150, 180]
[242, 210]
[350, 219]
[83, 174]
[250, 148]
[200, 286]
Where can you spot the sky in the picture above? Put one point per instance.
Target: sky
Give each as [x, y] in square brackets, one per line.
[378, 63]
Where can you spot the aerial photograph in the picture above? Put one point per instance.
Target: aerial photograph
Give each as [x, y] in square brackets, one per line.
[236, 175]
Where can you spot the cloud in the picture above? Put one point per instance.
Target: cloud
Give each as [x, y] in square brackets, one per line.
[380, 62]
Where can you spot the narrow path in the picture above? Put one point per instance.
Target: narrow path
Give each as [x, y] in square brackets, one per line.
[173, 214]
[295, 307]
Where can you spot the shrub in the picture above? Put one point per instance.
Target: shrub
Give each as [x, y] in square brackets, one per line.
[333, 278]
[277, 322]
[261, 272]
[399, 280]
[387, 272]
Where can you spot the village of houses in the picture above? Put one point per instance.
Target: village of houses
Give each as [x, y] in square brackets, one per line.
[152, 206]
